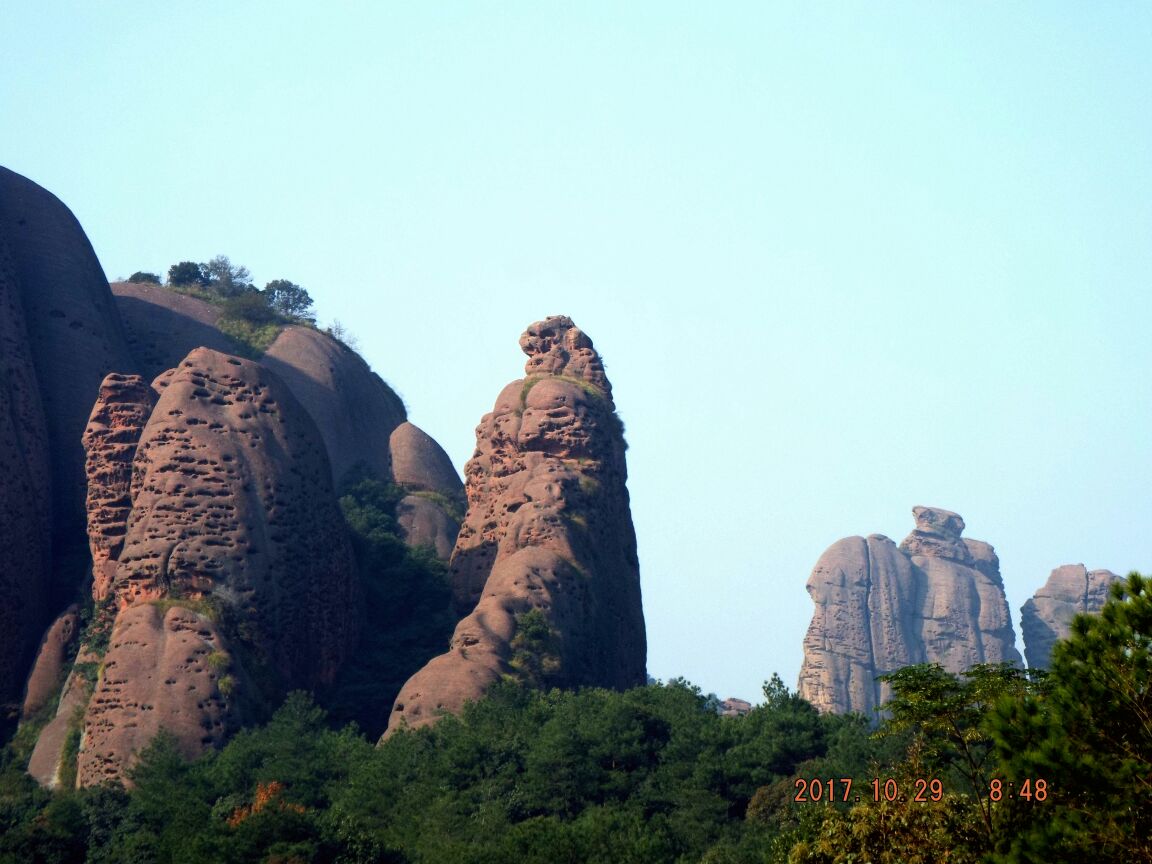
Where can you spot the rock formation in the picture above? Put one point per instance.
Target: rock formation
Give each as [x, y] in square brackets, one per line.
[353, 407]
[25, 493]
[937, 598]
[233, 521]
[362, 420]
[429, 516]
[1046, 618]
[545, 568]
[162, 326]
[123, 407]
[76, 339]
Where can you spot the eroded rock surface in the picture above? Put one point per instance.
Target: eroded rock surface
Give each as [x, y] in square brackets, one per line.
[162, 670]
[52, 659]
[937, 598]
[1046, 618]
[122, 409]
[545, 568]
[232, 515]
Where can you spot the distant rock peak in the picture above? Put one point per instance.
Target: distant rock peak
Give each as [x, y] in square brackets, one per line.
[937, 535]
[556, 346]
[937, 598]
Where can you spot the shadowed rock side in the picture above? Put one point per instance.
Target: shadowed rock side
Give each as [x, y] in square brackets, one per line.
[233, 519]
[937, 598]
[431, 515]
[545, 568]
[162, 326]
[76, 339]
[353, 407]
[1071, 589]
[25, 494]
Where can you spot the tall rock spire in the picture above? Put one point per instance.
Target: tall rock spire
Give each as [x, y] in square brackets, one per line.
[544, 571]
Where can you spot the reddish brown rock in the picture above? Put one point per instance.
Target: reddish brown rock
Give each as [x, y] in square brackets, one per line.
[938, 598]
[431, 516]
[47, 761]
[232, 509]
[122, 409]
[548, 531]
[163, 670]
[1046, 618]
[54, 656]
[76, 339]
[354, 409]
[419, 463]
[162, 326]
[25, 495]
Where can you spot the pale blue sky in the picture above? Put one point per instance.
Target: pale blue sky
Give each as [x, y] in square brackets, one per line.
[840, 258]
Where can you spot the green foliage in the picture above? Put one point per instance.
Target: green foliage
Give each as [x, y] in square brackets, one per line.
[225, 280]
[289, 299]
[535, 650]
[407, 606]
[186, 273]
[144, 277]
[253, 338]
[1088, 735]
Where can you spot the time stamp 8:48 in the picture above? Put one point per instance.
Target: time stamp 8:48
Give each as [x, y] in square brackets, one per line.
[920, 789]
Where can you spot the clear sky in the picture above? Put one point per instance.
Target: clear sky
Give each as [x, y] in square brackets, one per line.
[840, 258]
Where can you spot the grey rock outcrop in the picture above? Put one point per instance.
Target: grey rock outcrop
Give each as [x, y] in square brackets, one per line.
[1046, 618]
[544, 571]
[935, 598]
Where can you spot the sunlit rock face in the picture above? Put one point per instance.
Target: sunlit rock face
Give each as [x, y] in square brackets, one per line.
[1047, 617]
[935, 598]
[544, 572]
[232, 520]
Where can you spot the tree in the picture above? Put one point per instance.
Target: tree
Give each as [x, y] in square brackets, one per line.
[947, 716]
[1089, 739]
[186, 273]
[224, 279]
[289, 299]
[141, 276]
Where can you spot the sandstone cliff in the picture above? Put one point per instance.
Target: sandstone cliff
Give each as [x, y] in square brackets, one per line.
[232, 526]
[75, 338]
[25, 493]
[937, 598]
[362, 420]
[545, 568]
[1046, 618]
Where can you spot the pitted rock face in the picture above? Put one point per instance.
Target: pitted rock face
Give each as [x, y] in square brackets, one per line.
[548, 530]
[162, 671]
[1046, 618]
[938, 598]
[232, 496]
[556, 346]
[25, 492]
[231, 506]
[122, 409]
